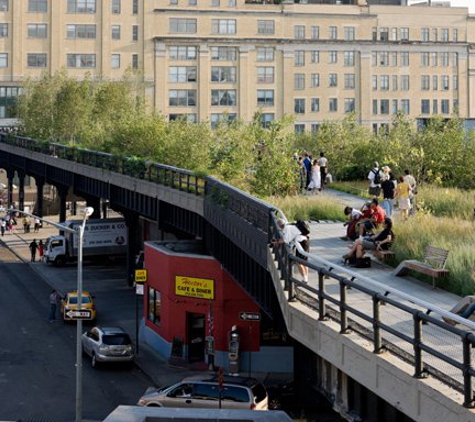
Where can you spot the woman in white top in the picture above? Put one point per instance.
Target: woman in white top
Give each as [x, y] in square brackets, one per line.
[315, 181]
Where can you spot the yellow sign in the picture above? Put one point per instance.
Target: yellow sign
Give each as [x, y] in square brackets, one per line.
[202, 288]
[140, 276]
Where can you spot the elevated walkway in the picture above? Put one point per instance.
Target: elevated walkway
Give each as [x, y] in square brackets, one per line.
[381, 347]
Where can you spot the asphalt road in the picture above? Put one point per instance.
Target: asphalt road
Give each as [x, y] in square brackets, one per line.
[37, 358]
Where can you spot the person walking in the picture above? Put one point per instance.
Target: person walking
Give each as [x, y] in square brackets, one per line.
[307, 162]
[403, 192]
[36, 226]
[323, 163]
[388, 188]
[3, 226]
[374, 182]
[315, 181]
[409, 178]
[54, 298]
[40, 249]
[33, 248]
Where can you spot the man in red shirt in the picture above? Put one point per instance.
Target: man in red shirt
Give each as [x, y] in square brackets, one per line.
[375, 219]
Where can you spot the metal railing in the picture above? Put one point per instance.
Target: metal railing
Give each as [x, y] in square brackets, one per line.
[409, 328]
[173, 177]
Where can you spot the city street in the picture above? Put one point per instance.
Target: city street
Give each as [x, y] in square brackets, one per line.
[37, 358]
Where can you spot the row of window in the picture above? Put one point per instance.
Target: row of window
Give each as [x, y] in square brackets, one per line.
[187, 98]
[213, 3]
[73, 6]
[267, 27]
[40, 30]
[221, 53]
[228, 74]
[300, 105]
[215, 118]
[401, 83]
[426, 35]
[383, 106]
[267, 54]
[72, 60]
[386, 58]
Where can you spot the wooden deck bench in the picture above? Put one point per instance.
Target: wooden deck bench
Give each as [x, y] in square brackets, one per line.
[433, 264]
[384, 255]
[459, 309]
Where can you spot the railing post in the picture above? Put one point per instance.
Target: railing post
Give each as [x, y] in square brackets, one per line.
[418, 363]
[467, 377]
[376, 330]
[343, 317]
[288, 276]
[321, 290]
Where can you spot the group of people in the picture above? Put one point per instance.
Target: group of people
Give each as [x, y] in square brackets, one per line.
[396, 190]
[313, 172]
[7, 224]
[362, 226]
[34, 248]
[27, 225]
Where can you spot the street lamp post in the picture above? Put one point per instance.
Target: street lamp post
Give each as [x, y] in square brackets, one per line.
[87, 212]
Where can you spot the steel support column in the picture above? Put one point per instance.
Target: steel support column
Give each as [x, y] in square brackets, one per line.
[40, 184]
[21, 191]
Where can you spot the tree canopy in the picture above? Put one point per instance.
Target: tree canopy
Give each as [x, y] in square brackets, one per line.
[112, 116]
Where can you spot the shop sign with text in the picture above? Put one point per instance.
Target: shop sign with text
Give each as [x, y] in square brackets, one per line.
[202, 288]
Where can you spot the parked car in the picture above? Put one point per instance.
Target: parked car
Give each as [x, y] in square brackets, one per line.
[283, 396]
[107, 344]
[203, 392]
[70, 303]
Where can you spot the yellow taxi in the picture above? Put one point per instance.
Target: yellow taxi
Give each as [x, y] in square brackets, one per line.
[69, 307]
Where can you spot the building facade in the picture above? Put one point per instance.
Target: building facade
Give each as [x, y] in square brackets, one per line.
[205, 60]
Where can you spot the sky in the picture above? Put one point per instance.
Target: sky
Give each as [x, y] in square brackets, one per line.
[457, 3]
[464, 3]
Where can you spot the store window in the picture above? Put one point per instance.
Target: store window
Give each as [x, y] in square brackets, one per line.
[154, 306]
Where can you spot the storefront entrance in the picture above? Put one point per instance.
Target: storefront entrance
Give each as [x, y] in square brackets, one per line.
[195, 327]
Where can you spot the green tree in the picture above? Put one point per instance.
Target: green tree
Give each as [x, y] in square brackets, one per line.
[276, 171]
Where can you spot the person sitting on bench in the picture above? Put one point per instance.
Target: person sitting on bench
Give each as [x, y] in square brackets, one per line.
[354, 216]
[377, 216]
[380, 241]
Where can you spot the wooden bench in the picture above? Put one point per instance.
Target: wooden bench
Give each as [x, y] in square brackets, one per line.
[459, 309]
[433, 264]
[384, 255]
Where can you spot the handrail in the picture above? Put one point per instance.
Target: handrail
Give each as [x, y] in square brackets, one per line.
[388, 290]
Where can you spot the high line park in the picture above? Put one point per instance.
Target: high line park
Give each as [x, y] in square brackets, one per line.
[369, 334]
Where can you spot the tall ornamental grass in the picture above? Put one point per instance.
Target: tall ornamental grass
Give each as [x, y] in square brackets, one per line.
[457, 236]
[309, 207]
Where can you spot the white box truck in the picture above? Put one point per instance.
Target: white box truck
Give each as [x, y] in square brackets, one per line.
[103, 239]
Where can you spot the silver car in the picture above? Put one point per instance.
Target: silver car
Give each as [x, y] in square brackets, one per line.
[204, 392]
[107, 344]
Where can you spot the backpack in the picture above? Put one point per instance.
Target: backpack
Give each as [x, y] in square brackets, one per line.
[303, 226]
[364, 262]
[377, 177]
